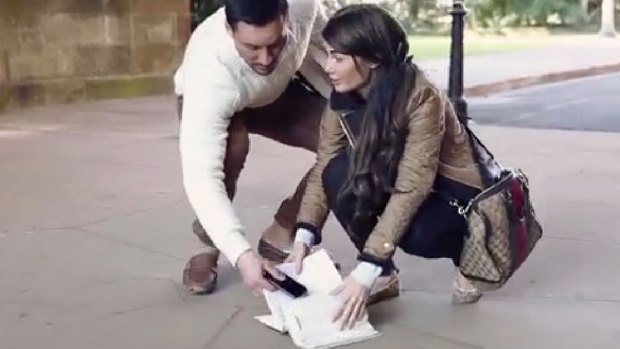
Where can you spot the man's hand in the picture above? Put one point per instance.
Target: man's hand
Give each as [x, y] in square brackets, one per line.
[251, 268]
[353, 296]
[300, 251]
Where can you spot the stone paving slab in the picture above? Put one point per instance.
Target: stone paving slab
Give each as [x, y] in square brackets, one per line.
[94, 233]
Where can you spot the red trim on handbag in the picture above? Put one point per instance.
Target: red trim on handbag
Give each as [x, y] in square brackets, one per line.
[517, 198]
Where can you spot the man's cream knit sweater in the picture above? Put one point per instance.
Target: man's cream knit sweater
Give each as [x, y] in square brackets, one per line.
[216, 83]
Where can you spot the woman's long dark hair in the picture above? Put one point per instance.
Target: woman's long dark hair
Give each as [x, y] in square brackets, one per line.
[371, 33]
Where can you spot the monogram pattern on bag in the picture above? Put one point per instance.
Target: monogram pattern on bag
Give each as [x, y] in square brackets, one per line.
[475, 259]
[487, 255]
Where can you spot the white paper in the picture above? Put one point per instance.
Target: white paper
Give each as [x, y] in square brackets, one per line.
[319, 274]
[272, 322]
[308, 320]
[310, 324]
[276, 300]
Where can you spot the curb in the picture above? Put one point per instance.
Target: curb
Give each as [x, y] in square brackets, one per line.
[517, 83]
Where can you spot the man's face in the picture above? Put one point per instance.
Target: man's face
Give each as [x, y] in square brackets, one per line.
[260, 47]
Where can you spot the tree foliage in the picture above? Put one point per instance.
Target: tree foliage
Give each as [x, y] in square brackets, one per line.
[525, 12]
[482, 13]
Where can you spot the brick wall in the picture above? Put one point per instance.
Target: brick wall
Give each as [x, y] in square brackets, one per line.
[64, 51]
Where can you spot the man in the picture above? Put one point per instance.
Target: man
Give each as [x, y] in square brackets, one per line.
[237, 77]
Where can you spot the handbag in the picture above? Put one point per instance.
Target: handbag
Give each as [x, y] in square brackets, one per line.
[503, 228]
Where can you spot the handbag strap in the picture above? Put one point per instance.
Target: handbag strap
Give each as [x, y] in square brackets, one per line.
[479, 150]
[475, 138]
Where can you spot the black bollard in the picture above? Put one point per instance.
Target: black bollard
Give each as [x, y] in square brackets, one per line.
[455, 82]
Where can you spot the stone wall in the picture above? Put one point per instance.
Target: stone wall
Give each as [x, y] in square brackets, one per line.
[64, 51]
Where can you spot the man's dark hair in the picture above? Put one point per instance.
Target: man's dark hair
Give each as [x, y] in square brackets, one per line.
[254, 12]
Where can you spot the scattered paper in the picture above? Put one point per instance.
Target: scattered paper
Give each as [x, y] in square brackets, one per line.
[310, 325]
[271, 322]
[308, 320]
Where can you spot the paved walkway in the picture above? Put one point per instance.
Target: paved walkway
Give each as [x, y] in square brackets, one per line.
[94, 233]
[590, 104]
[493, 69]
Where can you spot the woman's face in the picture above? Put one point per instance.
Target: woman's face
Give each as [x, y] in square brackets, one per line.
[347, 73]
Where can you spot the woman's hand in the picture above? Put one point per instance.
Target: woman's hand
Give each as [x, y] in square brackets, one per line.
[300, 251]
[353, 296]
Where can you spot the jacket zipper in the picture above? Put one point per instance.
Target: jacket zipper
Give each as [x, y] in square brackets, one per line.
[347, 130]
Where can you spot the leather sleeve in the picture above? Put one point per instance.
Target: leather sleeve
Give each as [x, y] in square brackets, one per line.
[314, 208]
[416, 174]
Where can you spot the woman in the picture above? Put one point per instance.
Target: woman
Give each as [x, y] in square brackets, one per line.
[392, 154]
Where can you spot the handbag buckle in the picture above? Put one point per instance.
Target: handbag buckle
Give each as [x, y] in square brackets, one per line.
[460, 209]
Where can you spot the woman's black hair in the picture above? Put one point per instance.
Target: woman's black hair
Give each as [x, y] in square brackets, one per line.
[369, 32]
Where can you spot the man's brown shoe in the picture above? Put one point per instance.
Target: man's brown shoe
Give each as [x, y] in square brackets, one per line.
[200, 273]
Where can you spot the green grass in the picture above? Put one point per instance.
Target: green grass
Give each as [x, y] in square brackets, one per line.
[425, 47]
[431, 47]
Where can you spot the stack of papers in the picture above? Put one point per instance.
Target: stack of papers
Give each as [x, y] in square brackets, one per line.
[308, 320]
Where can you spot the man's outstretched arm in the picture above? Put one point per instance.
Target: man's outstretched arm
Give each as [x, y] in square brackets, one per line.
[209, 101]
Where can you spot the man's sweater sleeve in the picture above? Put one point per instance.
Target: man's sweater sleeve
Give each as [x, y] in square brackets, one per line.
[209, 101]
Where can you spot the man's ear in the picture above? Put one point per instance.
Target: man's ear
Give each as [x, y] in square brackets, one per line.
[284, 18]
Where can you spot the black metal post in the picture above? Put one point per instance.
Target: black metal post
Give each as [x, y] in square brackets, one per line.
[455, 82]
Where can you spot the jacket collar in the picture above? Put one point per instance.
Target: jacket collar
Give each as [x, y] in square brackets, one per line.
[346, 102]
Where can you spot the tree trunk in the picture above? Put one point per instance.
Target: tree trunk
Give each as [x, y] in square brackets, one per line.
[607, 19]
[414, 9]
[584, 7]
